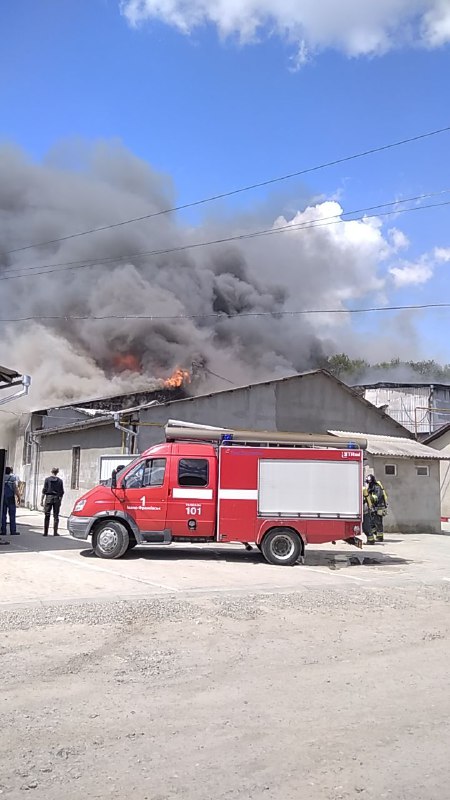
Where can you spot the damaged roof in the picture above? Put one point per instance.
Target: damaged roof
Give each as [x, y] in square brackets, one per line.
[395, 446]
[8, 375]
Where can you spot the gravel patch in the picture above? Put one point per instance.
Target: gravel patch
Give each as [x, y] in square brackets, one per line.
[236, 607]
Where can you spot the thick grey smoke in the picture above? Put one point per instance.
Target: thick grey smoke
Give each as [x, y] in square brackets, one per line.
[69, 360]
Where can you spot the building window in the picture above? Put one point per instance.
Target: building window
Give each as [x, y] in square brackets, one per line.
[75, 473]
[193, 472]
[390, 469]
[423, 472]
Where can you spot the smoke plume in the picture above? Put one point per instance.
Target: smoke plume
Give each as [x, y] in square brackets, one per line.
[320, 267]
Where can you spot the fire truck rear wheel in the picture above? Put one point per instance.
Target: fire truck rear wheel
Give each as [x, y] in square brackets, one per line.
[110, 540]
[282, 546]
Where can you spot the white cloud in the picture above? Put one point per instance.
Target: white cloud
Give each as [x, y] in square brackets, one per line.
[442, 253]
[356, 27]
[325, 265]
[436, 23]
[412, 274]
[398, 239]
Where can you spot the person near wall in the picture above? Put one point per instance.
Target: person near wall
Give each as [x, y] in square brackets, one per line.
[52, 495]
[10, 496]
[368, 518]
[378, 500]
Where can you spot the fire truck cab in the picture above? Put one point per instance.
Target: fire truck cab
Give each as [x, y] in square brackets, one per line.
[227, 487]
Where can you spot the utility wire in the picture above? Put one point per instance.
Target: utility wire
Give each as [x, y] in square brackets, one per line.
[222, 195]
[318, 223]
[223, 316]
[265, 231]
[210, 372]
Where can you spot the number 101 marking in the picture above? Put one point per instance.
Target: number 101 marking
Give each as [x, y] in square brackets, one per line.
[194, 511]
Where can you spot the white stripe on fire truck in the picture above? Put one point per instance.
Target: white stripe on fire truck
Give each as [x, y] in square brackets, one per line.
[193, 494]
[238, 494]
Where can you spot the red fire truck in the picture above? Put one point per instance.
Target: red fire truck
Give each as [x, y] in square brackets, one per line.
[278, 491]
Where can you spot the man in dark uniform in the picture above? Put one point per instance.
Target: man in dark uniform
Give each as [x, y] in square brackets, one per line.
[378, 503]
[10, 496]
[52, 494]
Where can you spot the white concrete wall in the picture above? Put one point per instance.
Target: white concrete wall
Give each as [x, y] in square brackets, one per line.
[443, 444]
[414, 501]
[56, 451]
[9, 432]
[12, 439]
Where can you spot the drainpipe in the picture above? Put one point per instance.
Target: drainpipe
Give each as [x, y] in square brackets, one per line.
[26, 383]
[36, 464]
[129, 434]
[430, 406]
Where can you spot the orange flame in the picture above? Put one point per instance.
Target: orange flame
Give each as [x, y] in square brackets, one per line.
[126, 362]
[178, 378]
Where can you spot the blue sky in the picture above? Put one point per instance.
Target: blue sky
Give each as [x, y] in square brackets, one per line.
[216, 114]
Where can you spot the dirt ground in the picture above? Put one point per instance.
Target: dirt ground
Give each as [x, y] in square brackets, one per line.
[336, 687]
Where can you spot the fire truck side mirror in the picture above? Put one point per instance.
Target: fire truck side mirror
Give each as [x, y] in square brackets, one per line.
[113, 479]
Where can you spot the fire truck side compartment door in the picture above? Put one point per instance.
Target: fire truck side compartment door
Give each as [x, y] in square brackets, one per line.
[309, 488]
[238, 493]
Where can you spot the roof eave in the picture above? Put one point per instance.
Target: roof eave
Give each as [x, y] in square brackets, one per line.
[76, 426]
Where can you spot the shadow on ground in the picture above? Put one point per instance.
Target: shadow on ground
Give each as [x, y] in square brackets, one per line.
[314, 558]
[31, 540]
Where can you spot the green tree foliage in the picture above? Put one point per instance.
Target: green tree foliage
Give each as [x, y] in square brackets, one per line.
[353, 369]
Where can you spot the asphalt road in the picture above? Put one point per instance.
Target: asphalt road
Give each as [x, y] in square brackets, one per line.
[192, 674]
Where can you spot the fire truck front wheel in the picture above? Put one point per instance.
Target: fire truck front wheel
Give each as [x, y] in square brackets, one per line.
[110, 540]
[282, 546]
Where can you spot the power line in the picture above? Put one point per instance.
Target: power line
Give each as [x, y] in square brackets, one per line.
[223, 195]
[335, 219]
[215, 374]
[288, 226]
[221, 315]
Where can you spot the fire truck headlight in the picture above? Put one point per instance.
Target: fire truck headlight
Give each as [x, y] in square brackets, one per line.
[80, 505]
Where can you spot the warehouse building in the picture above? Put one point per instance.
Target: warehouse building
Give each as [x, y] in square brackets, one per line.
[82, 439]
[311, 402]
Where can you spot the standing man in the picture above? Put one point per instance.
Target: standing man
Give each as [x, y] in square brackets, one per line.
[10, 494]
[378, 503]
[52, 494]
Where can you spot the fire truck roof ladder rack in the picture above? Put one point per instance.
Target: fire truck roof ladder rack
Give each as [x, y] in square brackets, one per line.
[176, 431]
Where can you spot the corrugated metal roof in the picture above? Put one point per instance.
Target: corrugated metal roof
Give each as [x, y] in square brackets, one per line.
[394, 446]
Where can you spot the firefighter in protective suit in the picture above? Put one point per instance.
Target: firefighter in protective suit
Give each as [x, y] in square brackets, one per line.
[375, 498]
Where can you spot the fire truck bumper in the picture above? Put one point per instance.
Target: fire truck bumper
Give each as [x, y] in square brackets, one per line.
[78, 527]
